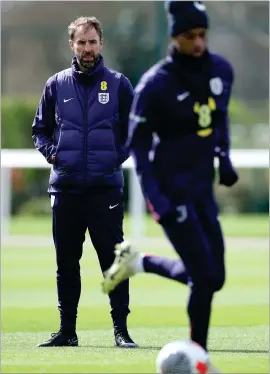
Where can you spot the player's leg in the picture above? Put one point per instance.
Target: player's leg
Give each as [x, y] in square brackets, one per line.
[208, 216]
[129, 262]
[190, 241]
[105, 224]
[169, 268]
[69, 228]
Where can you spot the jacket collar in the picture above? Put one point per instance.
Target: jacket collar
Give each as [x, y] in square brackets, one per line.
[188, 62]
[86, 77]
[194, 73]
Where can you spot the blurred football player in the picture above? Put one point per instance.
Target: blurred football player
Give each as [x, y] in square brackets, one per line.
[178, 124]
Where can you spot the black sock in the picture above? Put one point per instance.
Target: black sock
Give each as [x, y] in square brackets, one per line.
[166, 267]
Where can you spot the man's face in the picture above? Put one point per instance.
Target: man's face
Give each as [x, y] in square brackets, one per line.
[86, 46]
[192, 42]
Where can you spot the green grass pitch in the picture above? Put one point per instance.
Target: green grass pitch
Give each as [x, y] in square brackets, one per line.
[238, 339]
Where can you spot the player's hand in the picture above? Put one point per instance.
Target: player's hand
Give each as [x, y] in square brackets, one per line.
[169, 217]
[163, 207]
[227, 174]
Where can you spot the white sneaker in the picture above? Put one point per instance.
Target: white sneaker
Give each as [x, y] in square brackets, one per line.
[124, 266]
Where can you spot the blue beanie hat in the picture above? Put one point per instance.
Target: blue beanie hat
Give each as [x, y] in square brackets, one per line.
[185, 15]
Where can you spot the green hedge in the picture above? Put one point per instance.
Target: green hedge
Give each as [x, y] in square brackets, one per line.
[17, 118]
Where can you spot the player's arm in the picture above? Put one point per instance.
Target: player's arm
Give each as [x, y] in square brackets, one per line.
[125, 97]
[223, 133]
[227, 173]
[44, 122]
[140, 139]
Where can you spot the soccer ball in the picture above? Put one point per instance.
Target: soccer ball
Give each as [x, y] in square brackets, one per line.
[185, 357]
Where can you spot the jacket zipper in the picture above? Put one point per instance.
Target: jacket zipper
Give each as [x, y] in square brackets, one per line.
[85, 137]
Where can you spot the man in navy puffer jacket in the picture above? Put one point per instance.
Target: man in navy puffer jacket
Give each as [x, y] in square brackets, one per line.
[182, 102]
[81, 127]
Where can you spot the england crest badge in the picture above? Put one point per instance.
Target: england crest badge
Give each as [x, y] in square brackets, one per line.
[216, 86]
[103, 97]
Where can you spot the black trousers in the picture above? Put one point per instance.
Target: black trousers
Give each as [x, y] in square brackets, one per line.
[198, 239]
[102, 214]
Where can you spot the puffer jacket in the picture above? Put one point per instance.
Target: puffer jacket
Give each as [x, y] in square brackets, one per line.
[82, 120]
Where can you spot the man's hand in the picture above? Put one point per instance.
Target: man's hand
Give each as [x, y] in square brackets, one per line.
[177, 215]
